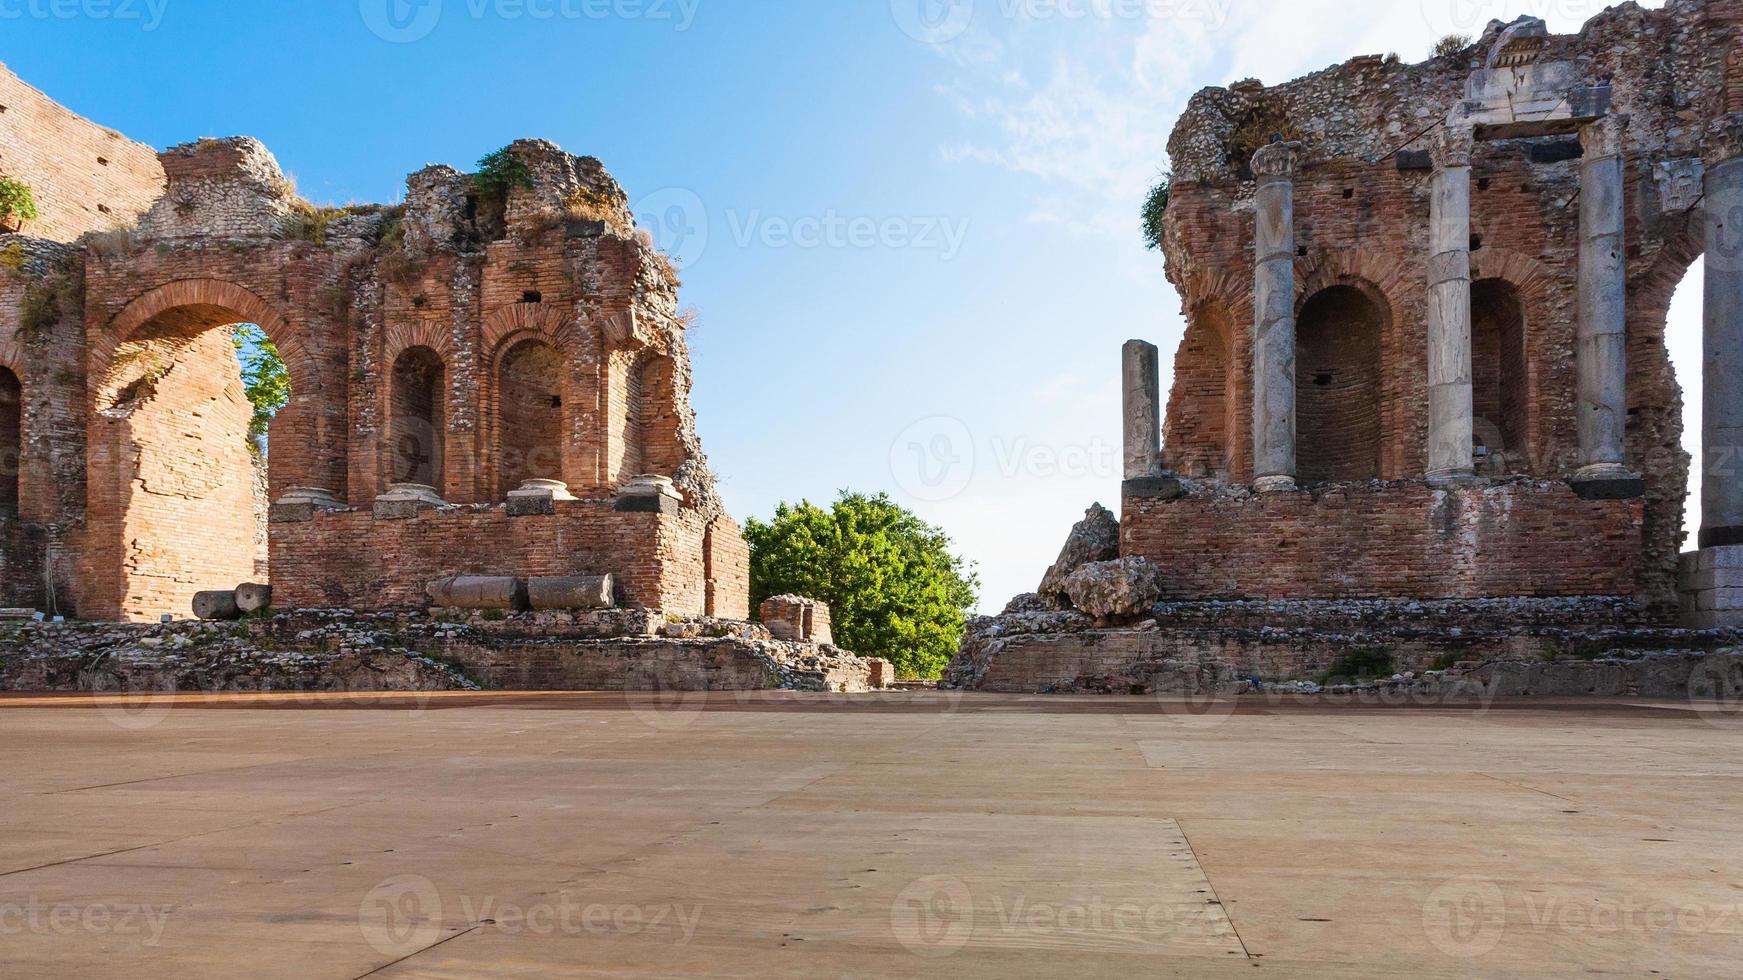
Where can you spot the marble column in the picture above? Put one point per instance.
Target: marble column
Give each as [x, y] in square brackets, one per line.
[1722, 405]
[1450, 407]
[1142, 381]
[1602, 368]
[1274, 317]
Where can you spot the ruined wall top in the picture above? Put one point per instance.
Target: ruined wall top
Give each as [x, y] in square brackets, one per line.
[1662, 67]
[84, 177]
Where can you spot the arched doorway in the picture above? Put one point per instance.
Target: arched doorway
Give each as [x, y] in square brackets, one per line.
[418, 385]
[1337, 386]
[11, 442]
[1202, 418]
[179, 460]
[650, 420]
[1499, 382]
[529, 415]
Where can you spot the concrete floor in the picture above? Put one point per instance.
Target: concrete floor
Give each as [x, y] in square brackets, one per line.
[453, 836]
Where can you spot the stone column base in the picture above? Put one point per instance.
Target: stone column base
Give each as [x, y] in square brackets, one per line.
[1607, 481]
[1710, 587]
[1274, 484]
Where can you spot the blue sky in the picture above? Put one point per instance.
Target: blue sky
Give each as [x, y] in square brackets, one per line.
[908, 226]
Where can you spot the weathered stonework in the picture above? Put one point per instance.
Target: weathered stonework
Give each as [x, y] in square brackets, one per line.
[343, 651]
[1425, 361]
[482, 382]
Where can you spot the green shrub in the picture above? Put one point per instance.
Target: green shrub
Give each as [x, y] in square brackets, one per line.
[500, 172]
[1155, 208]
[17, 201]
[1451, 45]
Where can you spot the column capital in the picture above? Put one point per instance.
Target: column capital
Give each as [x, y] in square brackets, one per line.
[1724, 139]
[1280, 159]
[1453, 145]
[1603, 138]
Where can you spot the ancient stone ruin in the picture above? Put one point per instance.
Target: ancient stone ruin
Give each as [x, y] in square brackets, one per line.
[489, 405]
[1424, 401]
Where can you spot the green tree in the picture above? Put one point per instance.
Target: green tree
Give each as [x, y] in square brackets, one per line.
[894, 589]
[265, 377]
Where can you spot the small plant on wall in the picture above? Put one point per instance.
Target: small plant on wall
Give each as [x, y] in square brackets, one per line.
[17, 204]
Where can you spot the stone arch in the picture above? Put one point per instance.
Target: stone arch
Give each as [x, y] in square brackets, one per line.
[174, 503]
[1226, 296]
[1390, 285]
[650, 442]
[199, 303]
[417, 412]
[1339, 383]
[579, 441]
[530, 412]
[1500, 398]
[1511, 291]
[1203, 406]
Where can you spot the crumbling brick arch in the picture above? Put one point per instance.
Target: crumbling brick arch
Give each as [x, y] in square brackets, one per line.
[1201, 410]
[414, 403]
[1339, 382]
[416, 387]
[1512, 297]
[1224, 300]
[648, 410]
[1656, 398]
[173, 506]
[309, 430]
[1402, 366]
[537, 352]
[11, 441]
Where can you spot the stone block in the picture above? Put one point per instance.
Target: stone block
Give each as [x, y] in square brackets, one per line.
[797, 619]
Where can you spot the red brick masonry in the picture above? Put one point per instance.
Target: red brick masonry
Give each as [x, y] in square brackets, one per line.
[1391, 540]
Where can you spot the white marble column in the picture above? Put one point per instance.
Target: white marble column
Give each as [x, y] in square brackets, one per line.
[1274, 317]
[1142, 381]
[1722, 404]
[1450, 410]
[1602, 398]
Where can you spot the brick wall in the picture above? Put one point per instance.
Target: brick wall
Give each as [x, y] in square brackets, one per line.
[174, 464]
[1400, 540]
[84, 177]
[1362, 220]
[352, 560]
[727, 556]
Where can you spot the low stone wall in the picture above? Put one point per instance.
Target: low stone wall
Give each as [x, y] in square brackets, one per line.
[1064, 652]
[1388, 540]
[354, 560]
[614, 650]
